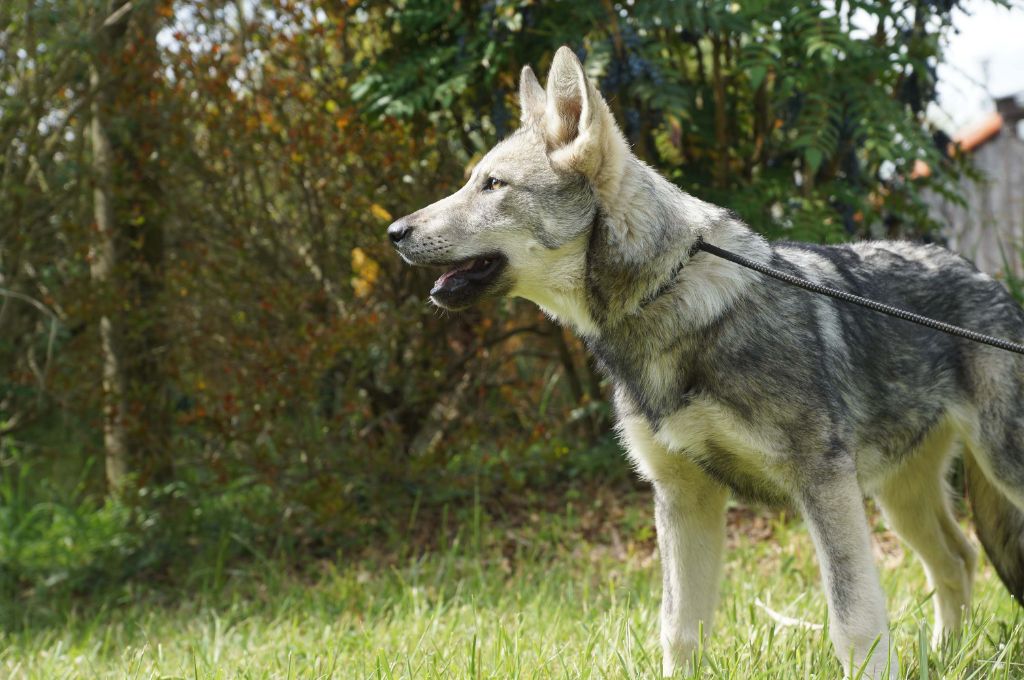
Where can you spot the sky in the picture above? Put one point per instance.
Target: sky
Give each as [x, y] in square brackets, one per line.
[984, 60]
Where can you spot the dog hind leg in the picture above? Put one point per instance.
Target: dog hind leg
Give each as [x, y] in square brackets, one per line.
[916, 504]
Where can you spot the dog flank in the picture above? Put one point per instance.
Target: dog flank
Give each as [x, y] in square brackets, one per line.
[728, 381]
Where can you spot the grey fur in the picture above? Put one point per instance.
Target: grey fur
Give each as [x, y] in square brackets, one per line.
[726, 379]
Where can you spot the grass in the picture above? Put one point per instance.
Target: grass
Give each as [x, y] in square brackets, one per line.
[568, 595]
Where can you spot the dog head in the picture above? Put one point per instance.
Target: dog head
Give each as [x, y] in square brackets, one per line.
[520, 225]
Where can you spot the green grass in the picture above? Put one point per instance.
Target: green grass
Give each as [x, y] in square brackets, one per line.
[573, 595]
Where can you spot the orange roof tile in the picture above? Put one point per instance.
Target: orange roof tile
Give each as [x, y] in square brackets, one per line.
[973, 136]
[920, 170]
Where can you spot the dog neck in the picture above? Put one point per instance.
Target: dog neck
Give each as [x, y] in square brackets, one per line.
[641, 258]
[655, 299]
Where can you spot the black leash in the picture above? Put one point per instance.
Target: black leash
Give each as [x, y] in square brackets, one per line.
[858, 300]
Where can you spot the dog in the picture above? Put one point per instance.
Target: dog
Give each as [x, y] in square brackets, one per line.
[727, 381]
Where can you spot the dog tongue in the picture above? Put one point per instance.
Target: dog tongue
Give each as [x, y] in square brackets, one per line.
[443, 279]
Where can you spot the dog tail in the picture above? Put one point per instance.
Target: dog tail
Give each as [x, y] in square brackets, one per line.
[1000, 526]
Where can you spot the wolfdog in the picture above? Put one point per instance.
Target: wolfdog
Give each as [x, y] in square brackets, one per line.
[725, 380]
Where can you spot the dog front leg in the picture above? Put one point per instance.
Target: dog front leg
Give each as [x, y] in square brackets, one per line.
[690, 518]
[833, 508]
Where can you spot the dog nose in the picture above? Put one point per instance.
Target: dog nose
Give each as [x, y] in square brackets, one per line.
[399, 230]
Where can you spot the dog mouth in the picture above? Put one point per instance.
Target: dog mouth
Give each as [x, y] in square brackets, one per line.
[465, 280]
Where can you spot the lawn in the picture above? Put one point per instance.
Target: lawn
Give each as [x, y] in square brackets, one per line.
[571, 594]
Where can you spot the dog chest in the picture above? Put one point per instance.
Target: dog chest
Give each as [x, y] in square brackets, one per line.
[705, 438]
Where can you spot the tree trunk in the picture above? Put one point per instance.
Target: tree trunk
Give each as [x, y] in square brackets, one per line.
[102, 266]
[720, 175]
[127, 259]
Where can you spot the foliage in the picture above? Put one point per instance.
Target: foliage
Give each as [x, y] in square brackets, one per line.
[58, 546]
[1013, 282]
[299, 357]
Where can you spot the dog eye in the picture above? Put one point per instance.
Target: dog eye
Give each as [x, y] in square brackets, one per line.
[492, 183]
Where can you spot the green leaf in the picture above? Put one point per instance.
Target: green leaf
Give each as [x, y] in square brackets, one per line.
[757, 75]
[814, 157]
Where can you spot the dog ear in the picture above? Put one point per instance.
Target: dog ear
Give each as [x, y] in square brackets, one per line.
[579, 130]
[569, 108]
[532, 99]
